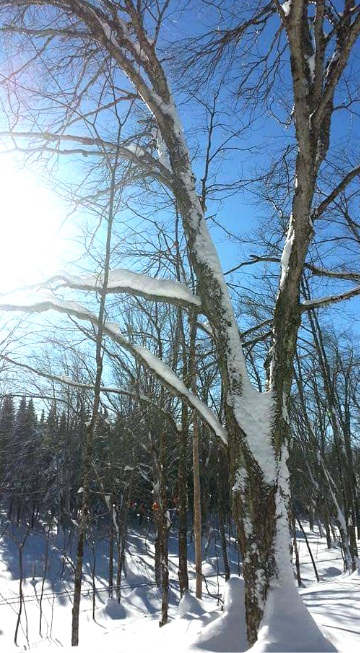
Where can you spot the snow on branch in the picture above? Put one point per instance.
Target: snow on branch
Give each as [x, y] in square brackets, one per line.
[134, 283]
[43, 301]
[166, 374]
[308, 304]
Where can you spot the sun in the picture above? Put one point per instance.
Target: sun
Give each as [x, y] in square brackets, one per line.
[32, 240]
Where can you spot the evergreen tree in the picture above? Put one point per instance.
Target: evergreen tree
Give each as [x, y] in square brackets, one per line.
[21, 470]
[7, 423]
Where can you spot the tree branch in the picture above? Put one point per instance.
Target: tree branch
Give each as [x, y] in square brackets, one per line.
[43, 302]
[134, 153]
[309, 304]
[317, 212]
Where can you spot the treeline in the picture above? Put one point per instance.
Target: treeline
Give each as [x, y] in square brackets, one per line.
[41, 464]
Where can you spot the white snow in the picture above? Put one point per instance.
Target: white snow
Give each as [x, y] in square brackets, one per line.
[228, 631]
[253, 411]
[42, 301]
[286, 6]
[122, 280]
[311, 65]
[195, 626]
[162, 151]
[285, 257]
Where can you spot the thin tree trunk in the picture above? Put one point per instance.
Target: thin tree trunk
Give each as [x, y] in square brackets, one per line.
[295, 549]
[182, 505]
[164, 526]
[21, 596]
[197, 509]
[90, 429]
[46, 561]
[224, 543]
[78, 580]
[309, 550]
[192, 372]
[111, 548]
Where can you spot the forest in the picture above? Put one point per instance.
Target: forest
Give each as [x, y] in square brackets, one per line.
[195, 360]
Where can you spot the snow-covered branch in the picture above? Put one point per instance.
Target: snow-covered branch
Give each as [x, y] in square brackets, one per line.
[43, 301]
[331, 299]
[134, 283]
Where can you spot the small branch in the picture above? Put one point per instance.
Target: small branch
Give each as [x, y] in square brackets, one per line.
[317, 212]
[254, 259]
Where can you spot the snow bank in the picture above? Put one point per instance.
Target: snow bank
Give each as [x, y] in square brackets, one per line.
[227, 632]
[189, 606]
[288, 626]
[113, 610]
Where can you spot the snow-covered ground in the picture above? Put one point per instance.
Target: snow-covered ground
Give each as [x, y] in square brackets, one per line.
[133, 626]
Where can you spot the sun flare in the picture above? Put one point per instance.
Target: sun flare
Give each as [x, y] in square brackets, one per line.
[31, 242]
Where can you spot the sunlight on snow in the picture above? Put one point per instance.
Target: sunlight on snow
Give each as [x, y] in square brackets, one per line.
[31, 243]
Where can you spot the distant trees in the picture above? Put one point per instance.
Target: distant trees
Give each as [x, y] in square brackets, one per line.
[7, 424]
[21, 474]
[324, 418]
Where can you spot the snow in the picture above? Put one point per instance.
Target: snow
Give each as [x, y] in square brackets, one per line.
[195, 625]
[286, 6]
[285, 257]
[122, 280]
[288, 626]
[162, 151]
[228, 631]
[311, 64]
[253, 411]
[41, 301]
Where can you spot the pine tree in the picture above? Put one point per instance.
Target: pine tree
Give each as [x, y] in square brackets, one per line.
[7, 423]
[21, 470]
